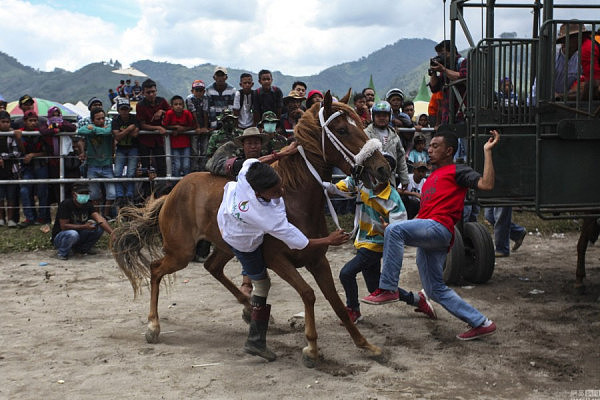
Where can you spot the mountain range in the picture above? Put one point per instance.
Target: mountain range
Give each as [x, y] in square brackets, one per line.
[402, 64]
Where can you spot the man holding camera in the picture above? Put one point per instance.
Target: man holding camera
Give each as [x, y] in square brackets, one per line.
[441, 75]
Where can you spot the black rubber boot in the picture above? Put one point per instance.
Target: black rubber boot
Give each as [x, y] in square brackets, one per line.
[256, 344]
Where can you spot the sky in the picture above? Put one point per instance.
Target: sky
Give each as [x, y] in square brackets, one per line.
[295, 37]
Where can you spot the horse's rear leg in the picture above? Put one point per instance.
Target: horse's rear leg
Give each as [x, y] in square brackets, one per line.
[159, 268]
[323, 277]
[215, 264]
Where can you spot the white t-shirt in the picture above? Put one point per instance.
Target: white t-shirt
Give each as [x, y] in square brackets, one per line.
[245, 118]
[244, 219]
[414, 187]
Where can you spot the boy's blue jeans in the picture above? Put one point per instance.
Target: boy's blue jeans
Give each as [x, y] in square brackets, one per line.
[181, 161]
[125, 156]
[81, 241]
[253, 263]
[41, 190]
[369, 263]
[432, 240]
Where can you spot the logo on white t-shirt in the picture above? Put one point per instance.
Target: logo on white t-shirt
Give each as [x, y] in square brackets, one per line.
[243, 206]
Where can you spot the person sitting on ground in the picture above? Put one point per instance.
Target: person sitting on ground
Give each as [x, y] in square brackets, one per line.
[432, 232]
[360, 106]
[251, 208]
[382, 203]
[78, 225]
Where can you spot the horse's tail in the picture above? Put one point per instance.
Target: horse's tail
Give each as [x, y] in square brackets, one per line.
[137, 229]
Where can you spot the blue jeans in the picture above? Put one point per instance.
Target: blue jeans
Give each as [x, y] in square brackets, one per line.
[101, 172]
[369, 263]
[432, 240]
[470, 212]
[41, 190]
[80, 241]
[125, 156]
[504, 229]
[253, 263]
[181, 161]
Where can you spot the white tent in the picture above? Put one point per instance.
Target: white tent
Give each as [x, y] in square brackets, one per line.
[80, 108]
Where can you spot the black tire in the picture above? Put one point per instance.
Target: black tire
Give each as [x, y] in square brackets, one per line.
[479, 253]
[455, 260]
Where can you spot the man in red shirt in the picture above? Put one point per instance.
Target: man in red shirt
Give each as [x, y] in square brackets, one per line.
[432, 232]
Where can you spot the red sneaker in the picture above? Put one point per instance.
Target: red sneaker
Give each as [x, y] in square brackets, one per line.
[479, 332]
[425, 306]
[354, 315]
[381, 296]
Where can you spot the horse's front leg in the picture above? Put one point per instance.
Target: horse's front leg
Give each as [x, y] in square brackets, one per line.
[287, 272]
[324, 278]
[587, 233]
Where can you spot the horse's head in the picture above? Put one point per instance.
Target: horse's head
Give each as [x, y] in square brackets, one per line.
[344, 144]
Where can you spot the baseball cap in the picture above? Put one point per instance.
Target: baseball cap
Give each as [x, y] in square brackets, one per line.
[25, 99]
[221, 69]
[122, 102]
[198, 83]
[30, 113]
[313, 92]
[80, 188]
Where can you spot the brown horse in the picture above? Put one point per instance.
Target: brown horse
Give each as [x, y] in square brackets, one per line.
[590, 229]
[330, 135]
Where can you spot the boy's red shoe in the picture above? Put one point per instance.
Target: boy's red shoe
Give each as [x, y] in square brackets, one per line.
[381, 296]
[354, 315]
[479, 332]
[425, 306]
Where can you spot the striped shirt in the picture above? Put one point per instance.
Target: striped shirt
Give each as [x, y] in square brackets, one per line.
[386, 204]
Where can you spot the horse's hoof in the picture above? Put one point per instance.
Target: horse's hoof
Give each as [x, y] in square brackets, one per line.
[376, 351]
[152, 336]
[309, 360]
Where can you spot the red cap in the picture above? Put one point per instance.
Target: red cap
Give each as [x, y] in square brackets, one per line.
[313, 92]
[29, 113]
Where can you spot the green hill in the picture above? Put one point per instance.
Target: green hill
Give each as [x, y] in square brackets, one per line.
[401, 64]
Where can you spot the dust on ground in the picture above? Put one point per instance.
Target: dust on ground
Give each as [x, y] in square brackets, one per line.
[72, 330]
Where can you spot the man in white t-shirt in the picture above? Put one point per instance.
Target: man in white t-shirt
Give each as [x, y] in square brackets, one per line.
[412, 195]
[251, 208]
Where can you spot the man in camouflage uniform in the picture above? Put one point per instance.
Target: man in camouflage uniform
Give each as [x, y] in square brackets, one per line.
[269, 124]
[226, 133]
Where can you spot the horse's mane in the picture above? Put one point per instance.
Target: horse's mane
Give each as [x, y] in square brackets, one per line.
[307, 133]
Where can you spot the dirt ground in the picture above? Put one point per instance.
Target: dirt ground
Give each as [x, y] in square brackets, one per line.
[73, 331]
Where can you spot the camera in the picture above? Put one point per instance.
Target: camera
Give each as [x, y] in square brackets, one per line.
[436, 59]
[8, 156]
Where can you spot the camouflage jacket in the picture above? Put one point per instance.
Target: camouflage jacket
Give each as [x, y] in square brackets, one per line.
[220, 137]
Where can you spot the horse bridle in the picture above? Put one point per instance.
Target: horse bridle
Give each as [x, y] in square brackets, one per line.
[355, 161]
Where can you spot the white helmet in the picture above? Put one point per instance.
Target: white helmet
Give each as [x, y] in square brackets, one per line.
[394, 91]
